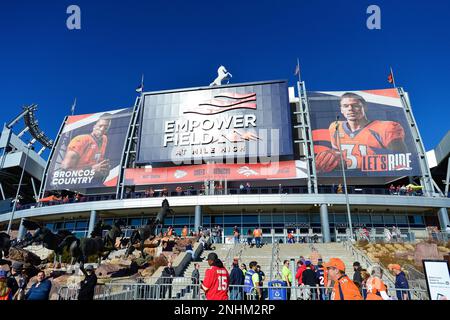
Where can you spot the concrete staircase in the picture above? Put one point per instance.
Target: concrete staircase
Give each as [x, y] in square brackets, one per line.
[181, 284]
[263, 256]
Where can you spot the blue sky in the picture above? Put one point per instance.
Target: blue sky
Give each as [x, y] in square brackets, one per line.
[180, 44]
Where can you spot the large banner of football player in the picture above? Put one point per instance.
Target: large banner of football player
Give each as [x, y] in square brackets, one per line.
[368, 127]
[89, 150]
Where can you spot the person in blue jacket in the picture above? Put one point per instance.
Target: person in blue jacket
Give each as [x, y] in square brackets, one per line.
[41, 289]
[236, 281]
[401, 283]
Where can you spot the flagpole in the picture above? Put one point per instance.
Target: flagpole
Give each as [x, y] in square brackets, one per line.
[344, 178]
[73, 106]
[298, 68]
[393, 78]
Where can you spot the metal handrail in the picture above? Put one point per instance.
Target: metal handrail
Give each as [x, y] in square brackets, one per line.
[143, 291]
[362, 257]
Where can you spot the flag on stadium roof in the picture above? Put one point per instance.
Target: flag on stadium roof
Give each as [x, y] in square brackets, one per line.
[140, 88]
[391, 78]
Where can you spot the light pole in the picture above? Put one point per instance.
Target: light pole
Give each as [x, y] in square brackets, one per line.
[344, 177]
[18, 191]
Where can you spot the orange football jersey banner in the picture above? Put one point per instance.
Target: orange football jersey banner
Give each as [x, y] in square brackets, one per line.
[371, 132]
[88, 151]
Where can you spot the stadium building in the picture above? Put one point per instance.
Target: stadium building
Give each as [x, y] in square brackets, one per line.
[253, 154]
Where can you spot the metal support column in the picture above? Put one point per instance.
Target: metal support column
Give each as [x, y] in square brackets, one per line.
[2, 192]
[325, 223]
[424, 167]
[128, 146]
[36, 196]
[443, 218]
[447, 179]
[47, 166]
[198, 217]
[306, 136]
[16, 199]
[92, 222]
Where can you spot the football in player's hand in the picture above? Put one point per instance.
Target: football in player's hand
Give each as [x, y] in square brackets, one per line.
[327, 161]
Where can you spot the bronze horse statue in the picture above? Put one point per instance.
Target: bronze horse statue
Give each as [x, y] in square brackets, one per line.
[81, 249]
[44, 235]
[149, 230]
[114, 232]
[5, 244]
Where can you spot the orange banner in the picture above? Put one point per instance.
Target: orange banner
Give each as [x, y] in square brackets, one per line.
[199, 173]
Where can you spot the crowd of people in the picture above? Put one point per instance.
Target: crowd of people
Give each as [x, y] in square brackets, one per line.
[317, 280]
[14, 284]
[405, 190]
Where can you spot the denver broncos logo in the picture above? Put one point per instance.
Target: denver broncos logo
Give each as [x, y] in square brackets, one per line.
[224, 102]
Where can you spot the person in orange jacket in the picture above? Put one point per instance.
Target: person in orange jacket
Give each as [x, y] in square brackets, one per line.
[376, 289]
[184, 232]
[344, 288]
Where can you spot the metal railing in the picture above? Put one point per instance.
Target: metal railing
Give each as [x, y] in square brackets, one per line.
[186, 291]
[229, 191]
[365, 260]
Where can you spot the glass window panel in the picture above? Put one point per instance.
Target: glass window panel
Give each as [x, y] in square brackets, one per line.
[315, 218]
[181, 220]
[82, 225]
[340, 218]
[69, 225]
[364, 218]
[278, 218]
[206, 220]
[217, 220]
[236, 220]
[389, 219]
[168, 221]
[290, 218]
[418, 219]
[265, 218]
[135, 222]
[250, 219]
[303, 218]
[228, 231]
[377, 219]
[401, 219]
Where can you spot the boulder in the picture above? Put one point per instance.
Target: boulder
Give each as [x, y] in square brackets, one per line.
[105, 270]
[425, 251]
[120, 262]
[117, 253]
[40, 251]
[148, 272]
[151, 243]
[23, 255]
[150, 251]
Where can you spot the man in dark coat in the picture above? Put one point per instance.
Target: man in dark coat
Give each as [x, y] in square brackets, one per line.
[87, 286]
[168, 274]
[236, 281]
[195, 277]
[357, 278]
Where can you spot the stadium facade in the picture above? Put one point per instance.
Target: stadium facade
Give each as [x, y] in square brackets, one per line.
[254, 154]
